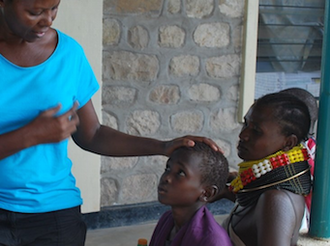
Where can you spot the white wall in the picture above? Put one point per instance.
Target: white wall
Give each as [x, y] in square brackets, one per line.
[82, 20]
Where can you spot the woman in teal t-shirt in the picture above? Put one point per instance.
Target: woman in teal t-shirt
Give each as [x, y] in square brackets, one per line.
[46, 86]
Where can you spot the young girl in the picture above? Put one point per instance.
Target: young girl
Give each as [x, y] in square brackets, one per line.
[192, 177]
[274, 176]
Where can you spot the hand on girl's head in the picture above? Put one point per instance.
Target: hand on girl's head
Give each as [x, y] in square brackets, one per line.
[189, 141]
[192, 139]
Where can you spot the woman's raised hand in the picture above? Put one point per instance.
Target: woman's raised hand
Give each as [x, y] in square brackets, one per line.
[49, 128]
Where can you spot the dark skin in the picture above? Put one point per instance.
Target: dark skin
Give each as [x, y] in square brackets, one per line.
[180, 187]
[27, 39]
[272, 221]
[25, 32]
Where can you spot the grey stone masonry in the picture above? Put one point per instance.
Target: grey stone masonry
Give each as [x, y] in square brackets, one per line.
[170, 68]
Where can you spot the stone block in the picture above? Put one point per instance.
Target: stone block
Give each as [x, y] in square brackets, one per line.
[204, 93]
[199, 8]
[223, 119]
[212, 35]
[232, 8]
[118, 96]
[139, 188]
[187, 121]
[124, 7]
[110, 164]
[171, 37]
[109, 120]
[109, 192]
[165, 94]
[111, 32]
[138, 37]
[224, 146]
[143, 122]
[226, 66]
[129, 66]
[232, 93]
[174, 6]
[185, 65]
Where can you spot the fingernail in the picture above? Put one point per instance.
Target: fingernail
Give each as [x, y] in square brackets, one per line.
[191, 143]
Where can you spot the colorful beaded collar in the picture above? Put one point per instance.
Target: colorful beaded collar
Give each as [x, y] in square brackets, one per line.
[251, 170]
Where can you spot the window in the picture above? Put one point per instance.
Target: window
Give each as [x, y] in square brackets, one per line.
[289, 46]
[282, 48]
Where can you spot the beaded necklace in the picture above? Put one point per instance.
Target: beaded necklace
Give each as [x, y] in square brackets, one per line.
[252, 170]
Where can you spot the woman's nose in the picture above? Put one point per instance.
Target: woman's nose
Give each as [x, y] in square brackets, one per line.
[48, 18]
[244, 134]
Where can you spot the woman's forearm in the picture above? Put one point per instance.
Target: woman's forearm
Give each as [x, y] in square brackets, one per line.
[110, 142]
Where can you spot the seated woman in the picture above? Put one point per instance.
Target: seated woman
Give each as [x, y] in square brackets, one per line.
[310, 144]
[274, 176]
[192, 177]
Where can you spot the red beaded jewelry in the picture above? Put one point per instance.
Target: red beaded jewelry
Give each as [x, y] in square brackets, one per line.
[250, 171]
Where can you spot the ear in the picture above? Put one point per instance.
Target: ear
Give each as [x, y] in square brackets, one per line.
[208, 193]
[290, 142]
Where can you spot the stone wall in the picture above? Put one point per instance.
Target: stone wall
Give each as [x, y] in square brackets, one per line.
[170, 68]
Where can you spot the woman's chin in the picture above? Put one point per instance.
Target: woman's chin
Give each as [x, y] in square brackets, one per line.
[242, 155]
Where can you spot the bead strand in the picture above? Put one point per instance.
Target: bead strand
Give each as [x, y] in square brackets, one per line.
[253, 170]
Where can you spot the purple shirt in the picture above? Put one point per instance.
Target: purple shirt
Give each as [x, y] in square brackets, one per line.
[202, 230]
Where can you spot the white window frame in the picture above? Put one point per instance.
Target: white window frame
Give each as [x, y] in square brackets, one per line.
[249, 54]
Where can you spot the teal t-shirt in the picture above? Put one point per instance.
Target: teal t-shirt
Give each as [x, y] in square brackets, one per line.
[39, 179]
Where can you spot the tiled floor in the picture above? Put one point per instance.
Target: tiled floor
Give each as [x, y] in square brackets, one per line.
[129, 235]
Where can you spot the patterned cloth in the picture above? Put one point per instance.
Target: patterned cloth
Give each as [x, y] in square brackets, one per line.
[311, 148]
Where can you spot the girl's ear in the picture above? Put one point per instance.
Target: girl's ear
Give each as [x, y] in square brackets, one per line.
[290, 142]
[208, 193]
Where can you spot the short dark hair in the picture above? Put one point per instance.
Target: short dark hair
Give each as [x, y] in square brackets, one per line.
[290, 112]
[308, 99]
[213, 166]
